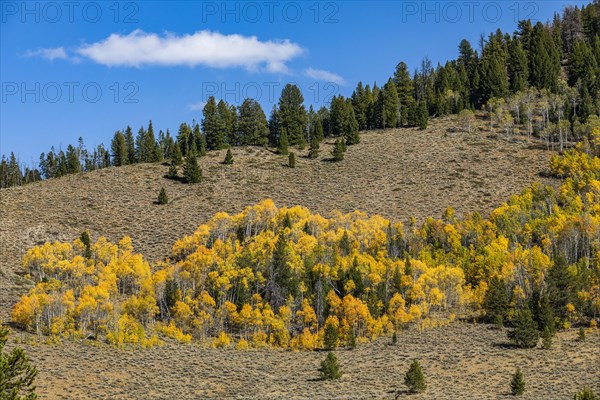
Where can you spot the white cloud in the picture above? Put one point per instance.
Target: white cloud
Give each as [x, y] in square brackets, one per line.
[199, 106]
[57, 53]
[206, 48]
[322, 75]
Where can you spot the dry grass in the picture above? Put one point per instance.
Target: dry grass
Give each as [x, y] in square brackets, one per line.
[396, 173]
[461, 361]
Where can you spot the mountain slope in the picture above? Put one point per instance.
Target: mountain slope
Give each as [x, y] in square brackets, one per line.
[396, 173]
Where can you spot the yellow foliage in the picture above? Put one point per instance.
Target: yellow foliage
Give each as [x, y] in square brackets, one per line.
[242, 344]
[222, 340]
[173, 332]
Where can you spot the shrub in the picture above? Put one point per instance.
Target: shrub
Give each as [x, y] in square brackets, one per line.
[547, 338]
[330, 368]
[292, 160]
[586, 394]
[415, 379]
[172, 174]
[162, 196]
[242, 345]
[221, 341]
[517, 384]
[228, 158]
[581, 335]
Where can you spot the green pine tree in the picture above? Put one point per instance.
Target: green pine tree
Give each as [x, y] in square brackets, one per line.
[292, 115]
[16, 372]
[172, 174]
[151, 145]
[292, 160]
[525, 333]
[492, 68]
[228, 158]
[282, 147]
[405, 90]
[118, 148]
[518, 70]
[201, 143]
[338, 150]
[313, 152]
[213, 125]
[495, 302]
[352, 339]
[330, 337]
[162, 196]
[130, 145]
[517, 384]
[581, 334]
[87, 244]
[330, 367]
[252, 124]
[415, 379]
[191, 170]
[389, 107]
[176, 157]
[544, 59]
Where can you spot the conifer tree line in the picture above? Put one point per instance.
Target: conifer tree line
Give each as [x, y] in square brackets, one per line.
[549, 73]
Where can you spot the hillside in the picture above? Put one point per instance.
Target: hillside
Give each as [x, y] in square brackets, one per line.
[462, 361]
[396, 173]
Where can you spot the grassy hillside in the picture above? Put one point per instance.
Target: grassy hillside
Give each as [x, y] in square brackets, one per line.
[461, 361]
[396, 173]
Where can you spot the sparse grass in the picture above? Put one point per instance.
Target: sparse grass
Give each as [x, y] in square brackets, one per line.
[463, 361]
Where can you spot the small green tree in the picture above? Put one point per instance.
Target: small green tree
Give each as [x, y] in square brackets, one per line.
[338, 150]
[525, 333]
[283, 144]
[191, 170]
[228, 158]
[172, 174]
[202, 145]
[517, 384]
[414, 378]
[394, 338]
[313, 152]
[330, 337]
[495, 302]
[330, 367]
[176, 158]
[586, 394]
[292, 160]
[162, 196]
[87, 243]
[352, 339]
[581, 334]
[16, 372]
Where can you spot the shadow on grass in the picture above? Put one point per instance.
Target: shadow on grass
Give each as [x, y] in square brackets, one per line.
[506, 345]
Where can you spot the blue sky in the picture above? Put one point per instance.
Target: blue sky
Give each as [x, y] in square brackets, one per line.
[71, 69]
